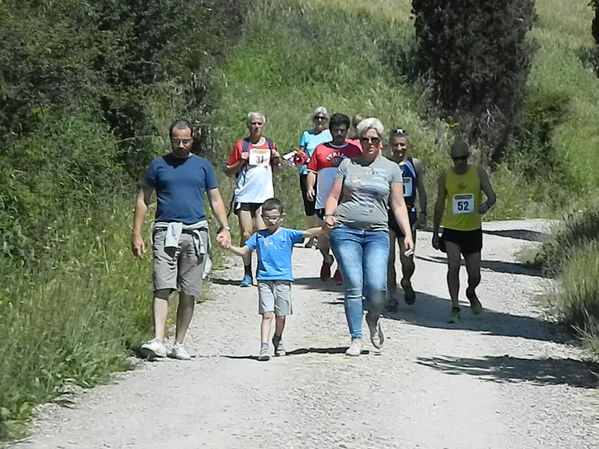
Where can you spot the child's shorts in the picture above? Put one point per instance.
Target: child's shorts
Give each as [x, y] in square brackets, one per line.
[274, 296]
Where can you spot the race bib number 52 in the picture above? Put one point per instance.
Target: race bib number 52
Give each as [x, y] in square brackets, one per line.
[463, 204]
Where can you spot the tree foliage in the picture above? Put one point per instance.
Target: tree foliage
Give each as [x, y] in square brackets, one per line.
[83, 90]
[476, 59]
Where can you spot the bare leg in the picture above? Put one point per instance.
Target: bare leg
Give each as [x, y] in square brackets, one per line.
[279, 326]
[473, 261]
[246, 226]
[265, 327]
[453, 271]
[184, 315]
[324, 244]
[407, 263]
[160, 313]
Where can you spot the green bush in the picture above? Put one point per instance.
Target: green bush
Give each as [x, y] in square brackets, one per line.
[476, 57]
[576, 300]
[578, 230]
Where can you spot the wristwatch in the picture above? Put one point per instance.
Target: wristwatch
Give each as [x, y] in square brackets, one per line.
[224, 228]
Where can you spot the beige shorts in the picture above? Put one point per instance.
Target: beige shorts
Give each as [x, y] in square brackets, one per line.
[274, 296]
[178, 268]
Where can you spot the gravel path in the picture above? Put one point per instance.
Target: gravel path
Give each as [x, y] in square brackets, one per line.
[505, 379]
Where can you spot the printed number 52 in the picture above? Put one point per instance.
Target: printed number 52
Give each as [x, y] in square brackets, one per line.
[462, 205]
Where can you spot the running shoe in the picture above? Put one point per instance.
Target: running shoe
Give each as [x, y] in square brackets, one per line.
[337, 277]
[454, 317]
[277, 344]
[246, 281]
[264, 354]
[475, 306]
[325, 271]
[409, 294]
[376, 334]
[179, 352]
[152, 349]
[355, 348]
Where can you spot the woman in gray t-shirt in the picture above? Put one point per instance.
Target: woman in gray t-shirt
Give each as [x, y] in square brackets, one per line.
[356, 211]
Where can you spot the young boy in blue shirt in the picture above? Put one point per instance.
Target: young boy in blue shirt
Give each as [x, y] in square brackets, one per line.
[274, 246]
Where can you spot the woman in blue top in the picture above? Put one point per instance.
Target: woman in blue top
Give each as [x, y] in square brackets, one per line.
[308, 143]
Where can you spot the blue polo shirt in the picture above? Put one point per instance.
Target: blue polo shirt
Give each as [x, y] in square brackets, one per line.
[274, 253]
[180, 185]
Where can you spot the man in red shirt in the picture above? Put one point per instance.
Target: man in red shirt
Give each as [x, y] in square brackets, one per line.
[324, 162]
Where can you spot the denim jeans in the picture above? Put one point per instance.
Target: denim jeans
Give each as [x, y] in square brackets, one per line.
[362, 257]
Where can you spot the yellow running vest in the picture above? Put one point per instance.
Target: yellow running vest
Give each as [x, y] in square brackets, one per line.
[463, 198]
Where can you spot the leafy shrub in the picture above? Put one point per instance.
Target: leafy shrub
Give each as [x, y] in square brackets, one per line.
[576, 300]
[578, 230]
[476, 58]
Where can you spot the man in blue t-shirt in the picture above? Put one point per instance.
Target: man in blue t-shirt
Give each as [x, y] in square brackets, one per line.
[274, 246]
[180, 243]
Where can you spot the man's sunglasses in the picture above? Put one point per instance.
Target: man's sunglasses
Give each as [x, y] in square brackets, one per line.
[459, 158]
[399, 132]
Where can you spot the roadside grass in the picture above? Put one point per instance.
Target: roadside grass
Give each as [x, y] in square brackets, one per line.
[571, 254]
[73, 322]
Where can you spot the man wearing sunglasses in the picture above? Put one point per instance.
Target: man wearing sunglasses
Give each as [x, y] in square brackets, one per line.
[459, 204]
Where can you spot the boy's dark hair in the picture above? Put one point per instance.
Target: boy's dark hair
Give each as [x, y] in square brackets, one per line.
[338, 119]
[272, 204]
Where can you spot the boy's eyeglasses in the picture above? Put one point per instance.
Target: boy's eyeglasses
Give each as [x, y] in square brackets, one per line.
[320, 117]
[271, 218]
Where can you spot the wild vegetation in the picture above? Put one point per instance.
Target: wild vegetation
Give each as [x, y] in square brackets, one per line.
[88, 89]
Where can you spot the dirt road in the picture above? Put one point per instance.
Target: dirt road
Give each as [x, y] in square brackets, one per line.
[503, 379]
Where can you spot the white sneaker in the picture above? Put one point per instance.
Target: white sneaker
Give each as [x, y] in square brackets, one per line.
[355, 348]
[376, 334]
[179, 352]
[153, 348]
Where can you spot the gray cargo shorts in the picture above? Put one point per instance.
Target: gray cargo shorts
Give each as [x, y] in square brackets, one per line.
[274, 296]
[178, 268]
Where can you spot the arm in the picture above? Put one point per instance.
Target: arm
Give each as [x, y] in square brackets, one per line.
[332, 203]
[232, 170]
[485, 185]
[421, 193]
[218, 208]
[398, 206]
[314, 232]
[275, 160]
[142, 203]
[439, 209]
[238, 250]
[310, 181]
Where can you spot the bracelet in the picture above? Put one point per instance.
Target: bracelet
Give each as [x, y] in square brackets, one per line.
[224, 228]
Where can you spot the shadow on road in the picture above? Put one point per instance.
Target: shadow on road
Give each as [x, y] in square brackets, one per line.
[494, 265]
[315, 283]
[302, 351]
[432, 311]
[521, 234]
[514, 369]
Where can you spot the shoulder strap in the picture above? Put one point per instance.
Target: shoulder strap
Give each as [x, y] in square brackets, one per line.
[245, 144]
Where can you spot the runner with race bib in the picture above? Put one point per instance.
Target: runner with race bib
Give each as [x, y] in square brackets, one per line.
[459, 204]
